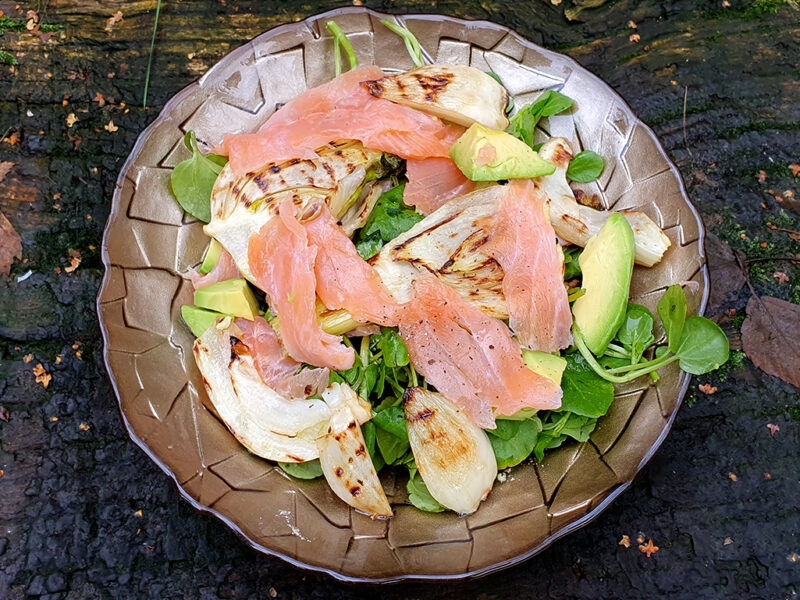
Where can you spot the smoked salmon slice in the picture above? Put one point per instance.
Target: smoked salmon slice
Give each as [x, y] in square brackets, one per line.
[223, 270]
[432, 182]
[276, 368]
[470, 357]
[344, 279]
[523, 242]
[282, 262]
[340, 109]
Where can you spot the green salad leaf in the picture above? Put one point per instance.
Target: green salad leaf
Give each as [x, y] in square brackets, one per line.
[585, 393]
[307, 470]
[636, 332]
[703, 346]
[585, 166]
[572, 269]
[418, 493]
[193, 179]
[523, 123]
[368, 430]
[388, 219]
[513, 441]
[672, 310]
[558, 427]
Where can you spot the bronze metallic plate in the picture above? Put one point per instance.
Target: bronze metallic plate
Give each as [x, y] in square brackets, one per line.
[149, 244]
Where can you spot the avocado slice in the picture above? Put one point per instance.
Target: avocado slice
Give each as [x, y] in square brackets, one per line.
[212, 256]
[484, 154]
[547, 365]
[607, 266]
[231, 297]
[199, 319]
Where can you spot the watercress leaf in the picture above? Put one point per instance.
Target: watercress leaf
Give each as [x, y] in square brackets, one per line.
[392, 447]
[578, 427]
[368, 429]
[586, 166]
[370, 378]
[523, 124]
[703, 346]
[547, 440]
[612, 362]
[391, 216]
[193, 179]
[351, 374]
[636, 332]
[395, 353]
[551, 103]
[585, 393]
[572, 267]
[419, 495]
[672, 310]
[510, 449]
[392, 420]
[369, 247]
[306, 470]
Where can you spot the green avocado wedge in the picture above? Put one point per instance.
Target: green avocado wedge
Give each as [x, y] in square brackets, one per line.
[199, 319]
[231, 297]
[212, 257]
[607, 266]
[484, 154]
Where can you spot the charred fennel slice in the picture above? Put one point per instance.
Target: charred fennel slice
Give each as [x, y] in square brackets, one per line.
[343, 176]
[448, 242]
[456, 93]
[265, 422]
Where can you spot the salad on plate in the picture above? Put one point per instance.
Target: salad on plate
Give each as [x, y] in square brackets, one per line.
[401, 275]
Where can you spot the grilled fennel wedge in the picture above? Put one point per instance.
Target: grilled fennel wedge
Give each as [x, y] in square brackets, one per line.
[454, 456]
[577, 223]
[457, 93]
[265, 422]
[341, 176]
[343, 456]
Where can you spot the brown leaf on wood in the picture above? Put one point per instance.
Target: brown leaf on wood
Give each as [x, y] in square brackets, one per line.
[10, 245]
[12, 139]
[724, 270]
[649, 549]
[795, 170]
[4, 414]
[771, 337]
[5, 167]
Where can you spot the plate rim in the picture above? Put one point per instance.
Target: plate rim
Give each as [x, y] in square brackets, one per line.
[467, 575]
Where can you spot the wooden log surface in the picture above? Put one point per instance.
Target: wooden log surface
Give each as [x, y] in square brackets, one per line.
[719, 84]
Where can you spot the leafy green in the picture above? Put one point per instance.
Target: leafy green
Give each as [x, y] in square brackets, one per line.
[412, 45]
[672, 310]
[340, 41]
[418, 493]
[393, 448]
[388, 219]
[636, 332]
[523, 123]
[395, 353]
[558, 427]
[307, 470]
[703, 346]
[513, 441]
[585, 393]
[572, 268]
[392, 420]
[368, 429]
[585, 166]
[193, 179]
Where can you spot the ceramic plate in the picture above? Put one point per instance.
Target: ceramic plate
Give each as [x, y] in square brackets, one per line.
[150, 244]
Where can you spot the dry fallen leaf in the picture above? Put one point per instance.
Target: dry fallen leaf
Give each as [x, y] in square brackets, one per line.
[28, 358]
[74, 262]
[632, 24]
[625, 541]
[728, 541]
[111, 128]
[795, 170]
[707, 388]
[4, 414]
[100, 99]
[727, 276]
[634, 37]
[71, 119]
[773, 429]
[781, 277]
[113, 20]
[5, 168]
[648, 549]
[771, 337]
[762, 176]
[733, 477]
[42, 376]
[12, 139]
[10, 245]
[84, 427]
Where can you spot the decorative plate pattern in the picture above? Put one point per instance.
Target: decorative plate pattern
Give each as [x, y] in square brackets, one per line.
[150, 243]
